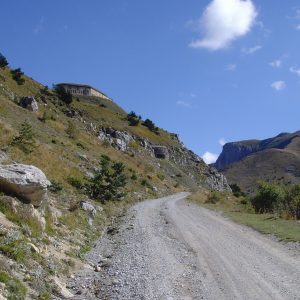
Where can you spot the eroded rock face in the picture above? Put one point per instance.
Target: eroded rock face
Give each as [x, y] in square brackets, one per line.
[29, 103]
[161, 152]
[26, 182]
[217, 181]
[182, 156]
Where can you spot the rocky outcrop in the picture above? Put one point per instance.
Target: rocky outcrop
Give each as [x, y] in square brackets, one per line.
[26, 182]
[161, 152]
[193, 165]
[29, 103]
[118, 139]
[217, 181]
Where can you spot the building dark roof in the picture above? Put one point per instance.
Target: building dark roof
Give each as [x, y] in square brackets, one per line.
[82, 85]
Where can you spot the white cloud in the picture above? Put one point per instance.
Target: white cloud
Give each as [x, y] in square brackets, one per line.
[209, 157]
[251, 50]
[298, 27]
[295, 70]
[276, 63]
[222, 141]
[223, 21]
[231, 67]
[183, 103]
[278, 85]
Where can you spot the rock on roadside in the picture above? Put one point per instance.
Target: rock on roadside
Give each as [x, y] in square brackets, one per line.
[26, 182]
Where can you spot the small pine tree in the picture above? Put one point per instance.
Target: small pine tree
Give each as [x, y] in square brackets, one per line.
[151, 126]
[17, 75]
[63, 95]
[25, 139]
[109, 181]
[133, 119]
[3, 61]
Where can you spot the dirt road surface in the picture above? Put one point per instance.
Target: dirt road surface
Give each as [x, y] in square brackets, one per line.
[171, 249]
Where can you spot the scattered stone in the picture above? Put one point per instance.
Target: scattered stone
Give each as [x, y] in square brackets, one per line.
[3, 157]
[34, 248]
[98, 268]
[26, 182]
[87, 206]
[29, 103]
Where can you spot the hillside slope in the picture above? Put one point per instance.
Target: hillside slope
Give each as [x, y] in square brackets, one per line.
[275, 159]
[40, 247]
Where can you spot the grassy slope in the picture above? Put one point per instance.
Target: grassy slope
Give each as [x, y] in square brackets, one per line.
[60, 157]
[280, 164]
[269, 165]
[288, 230]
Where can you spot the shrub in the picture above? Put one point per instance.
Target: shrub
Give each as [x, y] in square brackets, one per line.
[291, 203]
[236, 190]
[17, 75]
[145, 182]
[151, 126]
[63, 95]
[213, 197]
[75, 182]
[71, 130]
[3, 61]
[25, 139]
[15, 288]
[133, 176]
[133, 119]
[109, 181]
[268, 198]
[56, 186]
[45, 91]
[161, 176]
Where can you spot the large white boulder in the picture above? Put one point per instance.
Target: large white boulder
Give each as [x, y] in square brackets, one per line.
[26, 182]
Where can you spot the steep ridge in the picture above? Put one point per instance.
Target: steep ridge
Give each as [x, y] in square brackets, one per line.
[274, 159]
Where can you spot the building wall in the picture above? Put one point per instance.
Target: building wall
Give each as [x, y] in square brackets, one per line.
[84, 91]
[77, 90]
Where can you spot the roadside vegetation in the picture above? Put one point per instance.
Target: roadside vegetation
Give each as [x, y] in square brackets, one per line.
[274, 209]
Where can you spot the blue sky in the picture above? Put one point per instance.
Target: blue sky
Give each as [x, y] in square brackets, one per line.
[212, 71]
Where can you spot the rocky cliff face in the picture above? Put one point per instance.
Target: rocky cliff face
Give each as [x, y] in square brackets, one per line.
[189, 162]
[236, 151]
[233, 152]
[275, 159]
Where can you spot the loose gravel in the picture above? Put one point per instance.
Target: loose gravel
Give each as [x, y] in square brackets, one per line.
[171, 249]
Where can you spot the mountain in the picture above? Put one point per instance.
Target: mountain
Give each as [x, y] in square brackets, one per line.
[45, 231]
[274, 159]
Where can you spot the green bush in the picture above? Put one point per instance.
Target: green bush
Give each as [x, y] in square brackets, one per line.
[56, 186]
[25, 139]
[17, 75]
[236, 190]
[133, 119]
[214, 197]
[63, 95]
[108, 183]
[71, 130]
[75, 182]
[151, 126]
[291, 202]
[3, 61]
[268, 198]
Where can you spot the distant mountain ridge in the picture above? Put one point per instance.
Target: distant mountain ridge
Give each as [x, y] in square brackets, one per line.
[273, 159]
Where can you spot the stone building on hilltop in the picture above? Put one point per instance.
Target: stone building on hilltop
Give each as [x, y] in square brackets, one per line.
[83, 90]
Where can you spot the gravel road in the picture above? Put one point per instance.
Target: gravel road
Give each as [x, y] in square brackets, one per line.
[171, 249]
